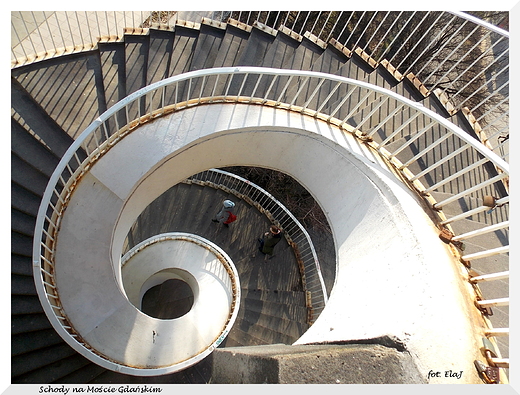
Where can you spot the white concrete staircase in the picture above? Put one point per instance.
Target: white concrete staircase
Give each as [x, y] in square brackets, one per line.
[52, 103]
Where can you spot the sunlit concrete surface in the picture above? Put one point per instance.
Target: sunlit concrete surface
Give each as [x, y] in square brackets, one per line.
[395, 278]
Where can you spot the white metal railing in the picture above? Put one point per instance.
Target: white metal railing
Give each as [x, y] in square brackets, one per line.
[294, 232]
[280, 88]
[451, 53]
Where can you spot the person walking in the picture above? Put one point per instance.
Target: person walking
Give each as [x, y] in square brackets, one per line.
[270, 238]
[226, 214]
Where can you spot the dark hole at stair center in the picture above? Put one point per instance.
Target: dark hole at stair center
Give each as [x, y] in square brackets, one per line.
[171, 299]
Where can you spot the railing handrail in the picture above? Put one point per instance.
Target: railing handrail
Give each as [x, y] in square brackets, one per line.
[310, 265]
[71, 158]
[497, 160]
[483, 73]
[480, 22]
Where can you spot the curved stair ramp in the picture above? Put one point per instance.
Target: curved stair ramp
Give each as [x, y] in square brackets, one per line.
[468, 189]
[189, 332]
[164, 154]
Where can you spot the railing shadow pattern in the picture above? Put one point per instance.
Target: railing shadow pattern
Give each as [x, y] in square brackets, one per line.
[177, 93]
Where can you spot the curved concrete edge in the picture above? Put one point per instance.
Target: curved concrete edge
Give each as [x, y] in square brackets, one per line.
[124, 339]
[413, 291]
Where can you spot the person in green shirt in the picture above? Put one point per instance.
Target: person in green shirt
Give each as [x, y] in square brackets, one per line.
[270, 238]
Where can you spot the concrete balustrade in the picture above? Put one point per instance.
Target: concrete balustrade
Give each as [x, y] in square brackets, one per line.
[412, 286]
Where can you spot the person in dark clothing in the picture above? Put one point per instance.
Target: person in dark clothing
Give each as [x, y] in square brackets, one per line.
[269, 240]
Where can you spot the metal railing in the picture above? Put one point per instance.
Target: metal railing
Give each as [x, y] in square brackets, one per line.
[454, 55]
[470, 172]
[295, 234]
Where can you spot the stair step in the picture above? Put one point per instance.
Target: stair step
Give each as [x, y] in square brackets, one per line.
[407, 89]
[30, 114]
[183, 48]
[304, 56]
[39, 359]
[136, 60]
[288, 311]
[27, 176]
[355, 68]
[21, 244]
[66, 88]
[24, 200]
[269, 329]
[32, 341]
[208, 45]
[22, 223]
[275, 295]
[281, 49]
[232, 46]
[159, 55]
[29, 323]
[21, 265]
[85, 374]
[256, 48]
[22, 285]
[113, 68]
[242, 338]
[52, 372]
[25, 304]
[27, 147]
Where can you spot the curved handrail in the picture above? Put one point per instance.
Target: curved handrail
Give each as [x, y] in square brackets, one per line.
[441, 49]
[296, 235]
[228, 85]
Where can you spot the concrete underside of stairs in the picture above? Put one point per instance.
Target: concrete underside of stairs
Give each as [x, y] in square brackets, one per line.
[415, 296]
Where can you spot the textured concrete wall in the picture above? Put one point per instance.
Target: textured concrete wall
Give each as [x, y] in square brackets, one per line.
[315, 364]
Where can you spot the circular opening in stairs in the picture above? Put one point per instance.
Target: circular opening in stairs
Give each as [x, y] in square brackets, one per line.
[171, 299]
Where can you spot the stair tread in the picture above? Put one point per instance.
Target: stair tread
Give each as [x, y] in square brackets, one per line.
[27, 176]
[22, 223]
[53, 371]
[208, 45]
[66, 88]
[31, 150]
[32, 341]
[232, 45]
[159, 58]
[281, 49]
[29, 323]
[22, 285]
[113, 68]
[257, 47]
[40, 359]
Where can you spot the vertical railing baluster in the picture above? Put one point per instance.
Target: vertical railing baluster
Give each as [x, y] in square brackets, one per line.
[37, 25]
[334, 27]
[369, 41]
[70, 30]
[295, 19]
[354, 30]
[417, 58]
[49, 29]
[304, 23]
[410, 36]
[366, 27]
[82, 40]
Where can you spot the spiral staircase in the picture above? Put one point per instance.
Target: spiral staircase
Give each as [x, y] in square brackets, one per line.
[54, 100]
